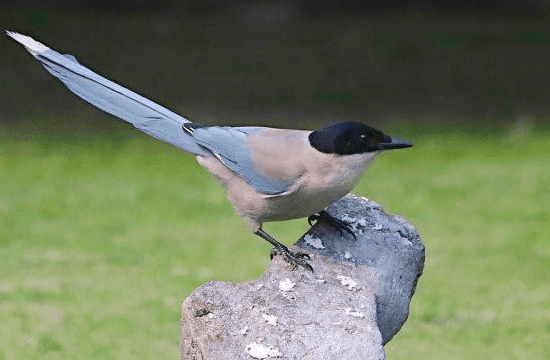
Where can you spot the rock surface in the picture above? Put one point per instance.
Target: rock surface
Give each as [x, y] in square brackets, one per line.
[348, 308]
[385, 242]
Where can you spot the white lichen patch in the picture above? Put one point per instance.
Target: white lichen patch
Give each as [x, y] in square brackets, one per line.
[354, 313]
[377, 227]
[259, 351]
[349, 219]
[270, 319]
[347, 255]
[347, 282]
[362, 222]
[313, 241]
[286, 285]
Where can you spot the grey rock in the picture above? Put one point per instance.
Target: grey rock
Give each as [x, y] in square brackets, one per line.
[385, 242]
[328, 314]
[348, 308]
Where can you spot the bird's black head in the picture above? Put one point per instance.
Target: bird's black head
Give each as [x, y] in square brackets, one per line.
[346, 138]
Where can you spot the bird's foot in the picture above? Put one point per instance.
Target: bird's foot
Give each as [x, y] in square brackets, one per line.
[335, 222]
[294, 258]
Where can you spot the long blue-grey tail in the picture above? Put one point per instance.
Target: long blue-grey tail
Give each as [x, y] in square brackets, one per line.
[144, 114]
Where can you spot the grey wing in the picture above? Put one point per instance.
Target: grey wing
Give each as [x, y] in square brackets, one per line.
[146, 115]
[229, 144]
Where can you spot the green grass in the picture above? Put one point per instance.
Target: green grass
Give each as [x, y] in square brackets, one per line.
[104, 235]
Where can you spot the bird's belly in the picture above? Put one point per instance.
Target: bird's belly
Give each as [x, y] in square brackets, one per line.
[305, 201]
[317, 190]
[314, 190]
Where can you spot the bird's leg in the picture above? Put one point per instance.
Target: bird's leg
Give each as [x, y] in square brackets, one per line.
[337, 223]
[294, 258]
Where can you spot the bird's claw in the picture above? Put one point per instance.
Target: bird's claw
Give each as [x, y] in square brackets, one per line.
[294, 258]
[313, 219]
[335, 222]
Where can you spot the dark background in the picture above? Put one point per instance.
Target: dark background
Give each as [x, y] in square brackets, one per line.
[282, 63]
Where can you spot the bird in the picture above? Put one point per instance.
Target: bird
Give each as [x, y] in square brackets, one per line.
[270, 174]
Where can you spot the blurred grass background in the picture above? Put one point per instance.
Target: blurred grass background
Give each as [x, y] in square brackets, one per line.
[104, 231]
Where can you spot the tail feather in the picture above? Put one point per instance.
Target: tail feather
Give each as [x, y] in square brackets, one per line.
[146, 115]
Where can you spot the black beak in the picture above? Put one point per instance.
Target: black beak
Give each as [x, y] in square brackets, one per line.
[392, 142]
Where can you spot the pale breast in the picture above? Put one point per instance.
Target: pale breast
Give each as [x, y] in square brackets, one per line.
[327, 177]
[316, 178]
